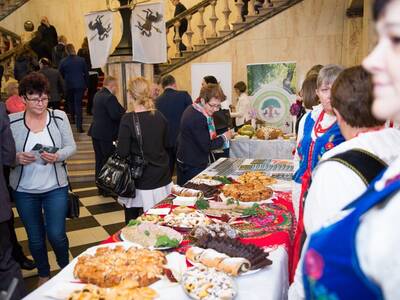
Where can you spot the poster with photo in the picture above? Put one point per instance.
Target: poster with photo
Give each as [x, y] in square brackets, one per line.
[273, 89]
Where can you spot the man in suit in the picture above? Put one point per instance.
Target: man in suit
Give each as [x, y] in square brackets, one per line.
[9, 268]
[172, 103]
[57, 87]
[75, 72]
[107, 113]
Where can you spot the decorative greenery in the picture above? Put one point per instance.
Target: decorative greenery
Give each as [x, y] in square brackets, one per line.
[231, 201]
[165, 241]
[202, 204]
[134, 222]
[254, 210]
[147, 233]
[222, 179]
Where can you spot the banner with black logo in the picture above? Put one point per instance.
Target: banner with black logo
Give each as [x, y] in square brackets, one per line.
[149, 40]
[99, 30]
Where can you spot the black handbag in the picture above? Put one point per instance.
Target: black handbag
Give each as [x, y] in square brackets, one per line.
[118, 175]
[73, 199]
[73, 205]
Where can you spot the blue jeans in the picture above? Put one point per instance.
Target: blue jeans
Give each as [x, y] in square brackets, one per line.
[44, 214]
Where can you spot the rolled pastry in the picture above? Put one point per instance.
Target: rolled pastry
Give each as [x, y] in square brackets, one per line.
[194, 253]
[234, 265]
[211, 258]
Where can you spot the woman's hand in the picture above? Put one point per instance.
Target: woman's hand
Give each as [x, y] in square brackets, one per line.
[25, 158]
[229, 134]
[50, 158]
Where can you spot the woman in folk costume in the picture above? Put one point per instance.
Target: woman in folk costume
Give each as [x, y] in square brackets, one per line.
[356, 257]
[318, 133]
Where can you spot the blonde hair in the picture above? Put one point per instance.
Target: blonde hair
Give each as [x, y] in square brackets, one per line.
[139, 89]
[10, 88]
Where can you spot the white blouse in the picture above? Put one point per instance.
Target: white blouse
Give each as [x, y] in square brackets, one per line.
[243, 108]
[323, 205]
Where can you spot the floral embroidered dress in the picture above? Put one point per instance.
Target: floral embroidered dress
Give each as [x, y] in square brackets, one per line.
[333, 268]
[319, 135]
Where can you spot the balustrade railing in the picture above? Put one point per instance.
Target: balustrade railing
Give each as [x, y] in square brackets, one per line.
[212, 20]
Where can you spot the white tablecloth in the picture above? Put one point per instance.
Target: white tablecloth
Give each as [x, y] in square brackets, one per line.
[260, 149]
[271, 283]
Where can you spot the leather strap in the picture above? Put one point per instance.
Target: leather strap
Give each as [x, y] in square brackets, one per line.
[138, 132]
[365, 164]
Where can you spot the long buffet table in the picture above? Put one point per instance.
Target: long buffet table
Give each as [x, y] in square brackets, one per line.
[273, 231]
[262, 149]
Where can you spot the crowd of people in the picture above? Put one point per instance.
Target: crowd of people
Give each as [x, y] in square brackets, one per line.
[346, 186]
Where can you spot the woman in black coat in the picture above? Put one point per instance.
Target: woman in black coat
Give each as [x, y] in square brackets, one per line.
[198, 135]
[155, 183]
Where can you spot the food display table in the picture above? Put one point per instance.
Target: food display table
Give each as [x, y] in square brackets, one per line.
[262, 149]
[273, 231]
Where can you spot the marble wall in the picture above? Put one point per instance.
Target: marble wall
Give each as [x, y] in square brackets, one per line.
[312, 32]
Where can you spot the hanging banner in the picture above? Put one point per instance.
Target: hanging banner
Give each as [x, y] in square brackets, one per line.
[149, 39]
[99, 31]
[272, 86]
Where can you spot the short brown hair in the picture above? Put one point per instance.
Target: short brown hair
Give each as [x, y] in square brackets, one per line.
[212, 90]
[352, 98]
[70, 49]
[308, 90]
[108, 80]
[167, 80]
[240, 86]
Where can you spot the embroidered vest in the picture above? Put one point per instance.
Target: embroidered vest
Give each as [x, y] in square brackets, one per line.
[310, 152]
[331, 268]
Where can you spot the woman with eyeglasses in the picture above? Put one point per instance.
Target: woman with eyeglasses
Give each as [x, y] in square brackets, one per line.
[44, 140]
[198, 135]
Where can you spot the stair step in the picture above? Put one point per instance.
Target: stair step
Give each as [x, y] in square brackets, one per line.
[81, 164]
[84, 154]
[82, 176]
[84, 145]
[79, 137]
[85, 127]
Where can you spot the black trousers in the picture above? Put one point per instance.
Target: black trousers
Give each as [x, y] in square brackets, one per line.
[9, 268]
[92, 89]
[74, 98]
[102, 151]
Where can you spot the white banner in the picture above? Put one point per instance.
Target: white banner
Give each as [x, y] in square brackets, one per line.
[99, 31]
[149, 40]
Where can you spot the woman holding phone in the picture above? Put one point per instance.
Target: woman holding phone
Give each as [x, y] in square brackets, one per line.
[44, 140]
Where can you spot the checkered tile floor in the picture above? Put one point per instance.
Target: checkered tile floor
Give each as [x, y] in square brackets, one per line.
[99, 218]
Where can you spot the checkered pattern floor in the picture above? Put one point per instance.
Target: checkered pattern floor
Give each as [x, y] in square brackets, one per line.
[99, 218]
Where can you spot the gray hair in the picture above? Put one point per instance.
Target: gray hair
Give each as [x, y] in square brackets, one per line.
[328, 74]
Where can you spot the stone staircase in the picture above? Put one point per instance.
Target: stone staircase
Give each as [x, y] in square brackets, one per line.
[8, 6]
[212, 23]
[81, 166]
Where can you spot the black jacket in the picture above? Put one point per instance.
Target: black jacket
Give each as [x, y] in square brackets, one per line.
[107, 113]
[49, 35]
[57, 86]
[7, 158]
[58, 54]
[194, 142]
[172, 104]
[154, 131]
[74, 71]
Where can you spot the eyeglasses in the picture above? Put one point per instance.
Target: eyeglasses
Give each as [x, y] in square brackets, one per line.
[214, 106]
[36, 100]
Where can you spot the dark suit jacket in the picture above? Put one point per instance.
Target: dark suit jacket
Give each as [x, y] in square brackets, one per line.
[194, 143]
[180, 8]
[74, 71]
[172, 104]
[7, 158]
[107, 113]
[57, 87]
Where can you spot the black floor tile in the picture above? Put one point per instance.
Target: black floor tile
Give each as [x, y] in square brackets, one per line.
[81, 223]
[31, 282]
[75, 251]
[113, 228]
[104, 208]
